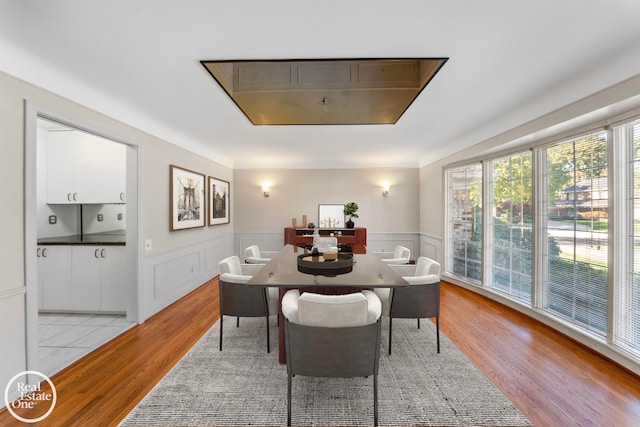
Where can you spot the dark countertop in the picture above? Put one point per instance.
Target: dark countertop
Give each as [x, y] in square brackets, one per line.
[107, 238]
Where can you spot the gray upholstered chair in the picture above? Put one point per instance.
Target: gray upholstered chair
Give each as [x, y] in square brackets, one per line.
[421, 299]
[332, 336]
[240, 300]
[400, 255]
[253, 255]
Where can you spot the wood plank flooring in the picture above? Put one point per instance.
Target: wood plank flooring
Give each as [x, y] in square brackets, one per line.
[552, 379]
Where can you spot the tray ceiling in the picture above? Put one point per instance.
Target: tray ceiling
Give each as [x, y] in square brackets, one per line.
[324, 92]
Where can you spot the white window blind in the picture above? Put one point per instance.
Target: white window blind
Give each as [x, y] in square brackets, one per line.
[510, 237]
[626, 317]
[575, 231]
[464, 216]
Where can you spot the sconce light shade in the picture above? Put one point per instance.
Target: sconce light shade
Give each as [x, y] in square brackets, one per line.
[385, 189]
[265, 190]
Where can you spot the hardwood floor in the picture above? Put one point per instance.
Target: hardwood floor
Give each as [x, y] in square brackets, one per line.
[552, 379]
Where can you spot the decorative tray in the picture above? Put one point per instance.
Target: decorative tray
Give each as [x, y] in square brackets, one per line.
[317, 264]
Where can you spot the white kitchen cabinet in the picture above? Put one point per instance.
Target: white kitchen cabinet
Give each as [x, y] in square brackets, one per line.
[100, 278]
[86, 262]
[83, 278]
[84, 168]
[54, 277]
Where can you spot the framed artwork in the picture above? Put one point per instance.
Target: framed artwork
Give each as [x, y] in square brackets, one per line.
[331, 216]
[219, 201]
[187, 194]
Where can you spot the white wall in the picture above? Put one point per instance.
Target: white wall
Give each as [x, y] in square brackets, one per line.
[389, 220]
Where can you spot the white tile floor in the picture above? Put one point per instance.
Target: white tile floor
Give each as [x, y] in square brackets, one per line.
[65, 338]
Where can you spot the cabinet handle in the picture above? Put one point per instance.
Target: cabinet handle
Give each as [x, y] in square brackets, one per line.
[95, 253]
[44, 252]
[75, 199]
[69, 197]
[102, 253]
[38, 252]
[122, 197]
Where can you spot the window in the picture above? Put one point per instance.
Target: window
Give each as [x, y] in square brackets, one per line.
[554, 219]
[626, 320]
[510, 238]
[465, 221]
[575, 228]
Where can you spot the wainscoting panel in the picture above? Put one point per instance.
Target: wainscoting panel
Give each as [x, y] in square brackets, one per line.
[431, 247]
[175, 273]
[171, 275]
[12, 337]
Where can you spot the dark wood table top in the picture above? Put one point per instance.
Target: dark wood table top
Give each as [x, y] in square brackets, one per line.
[368, 272]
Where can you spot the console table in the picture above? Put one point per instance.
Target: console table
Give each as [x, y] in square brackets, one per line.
[304, 236]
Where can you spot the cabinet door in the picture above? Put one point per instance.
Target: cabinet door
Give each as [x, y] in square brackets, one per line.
[86, 278]
[84, 168]
[54, 277]
[60, 167]
[117, 278]
[100, 170]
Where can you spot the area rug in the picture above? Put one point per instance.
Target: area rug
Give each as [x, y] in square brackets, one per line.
[245, 386]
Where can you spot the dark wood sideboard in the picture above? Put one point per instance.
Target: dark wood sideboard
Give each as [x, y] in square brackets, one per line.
[304, 236]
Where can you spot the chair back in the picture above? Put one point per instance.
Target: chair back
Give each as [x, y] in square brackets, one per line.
[236, 297]
[333, 311]
[252, 251]
[335, 335]
[230, 265]
[419, 300]
[326, 244]
[426, 266]
[402, 252]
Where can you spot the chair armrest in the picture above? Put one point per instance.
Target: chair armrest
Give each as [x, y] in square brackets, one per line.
[404, 269]
[268, 254]
[256, 260]
[290, 305]
[422, 280]
[234, 278]
[395, 260]
[374, 306]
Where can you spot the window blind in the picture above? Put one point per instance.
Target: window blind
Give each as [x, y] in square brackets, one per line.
[575, 228]
[626, 304]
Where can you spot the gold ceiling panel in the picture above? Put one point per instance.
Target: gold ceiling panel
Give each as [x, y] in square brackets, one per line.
[333, 92]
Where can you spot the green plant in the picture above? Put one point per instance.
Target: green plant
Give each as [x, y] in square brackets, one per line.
[350, 209]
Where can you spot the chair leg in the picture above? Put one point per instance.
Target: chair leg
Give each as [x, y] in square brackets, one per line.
[390, 323]
[268, 348]
[289, 400]
[418, 323]
[375, 400]
[438, 332]
[221, 317]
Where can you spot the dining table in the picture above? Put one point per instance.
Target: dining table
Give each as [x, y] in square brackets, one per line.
[285, 272]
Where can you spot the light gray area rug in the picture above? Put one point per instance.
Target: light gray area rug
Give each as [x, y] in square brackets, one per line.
[245, 386]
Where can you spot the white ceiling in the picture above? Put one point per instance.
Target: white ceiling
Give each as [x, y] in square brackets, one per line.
[511, 61]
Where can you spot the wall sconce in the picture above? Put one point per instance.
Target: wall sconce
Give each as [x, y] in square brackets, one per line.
[265, 189]
[385, 189]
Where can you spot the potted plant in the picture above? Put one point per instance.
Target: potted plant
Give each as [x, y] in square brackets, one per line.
[350, 209]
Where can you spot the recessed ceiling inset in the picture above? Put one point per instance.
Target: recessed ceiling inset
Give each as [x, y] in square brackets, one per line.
[323, 91]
